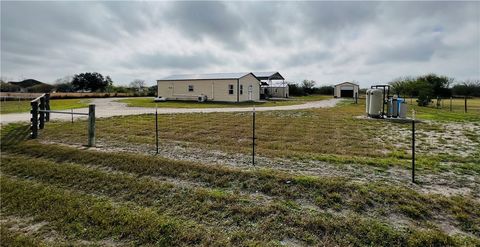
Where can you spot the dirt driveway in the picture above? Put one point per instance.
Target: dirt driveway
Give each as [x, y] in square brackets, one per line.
[109, 107]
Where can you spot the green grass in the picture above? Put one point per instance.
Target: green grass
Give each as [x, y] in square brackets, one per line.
[95, 195]
[148, 102]
[443, 113]
[7, 107]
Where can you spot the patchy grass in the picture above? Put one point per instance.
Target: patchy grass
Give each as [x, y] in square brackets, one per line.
[130, 193]
[55, 104]
[92, 197]
[334, 135]
[443, 113]
[148, 102]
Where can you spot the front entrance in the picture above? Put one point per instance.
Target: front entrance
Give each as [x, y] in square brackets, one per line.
[346, 93]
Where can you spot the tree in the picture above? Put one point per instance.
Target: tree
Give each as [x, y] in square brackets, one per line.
[8, 87]
[137, 84]
[294, 89]
[308, 85]
[425, 87]
[92, 81]
[439, 84]
[64, 84]
[467, 88]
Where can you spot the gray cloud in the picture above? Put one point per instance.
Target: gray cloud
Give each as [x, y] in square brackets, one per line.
[158, 61]
[325, 41]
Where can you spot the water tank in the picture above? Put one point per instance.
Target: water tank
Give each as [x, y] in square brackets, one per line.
[367, 100]
[395, 108]
[403, 109]
[376, 103]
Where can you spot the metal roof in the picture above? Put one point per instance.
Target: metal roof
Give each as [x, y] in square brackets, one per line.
[347, 82]
[206, 76]
[268, 75]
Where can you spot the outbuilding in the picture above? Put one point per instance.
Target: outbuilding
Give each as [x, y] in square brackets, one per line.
[227, 87]
[346, 90]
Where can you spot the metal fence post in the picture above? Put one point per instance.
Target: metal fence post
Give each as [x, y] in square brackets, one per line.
[156, 128]
[34, 120]
[465, 104]
[451, 103]
[47, 107]
[91, 125]
[253, 137]
[413, 150]
[42, 113]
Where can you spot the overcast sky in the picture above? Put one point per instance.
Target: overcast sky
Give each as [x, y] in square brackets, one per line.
[329, 42]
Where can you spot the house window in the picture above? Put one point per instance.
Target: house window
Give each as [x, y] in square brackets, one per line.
[230, 89]
[190, 88]
[241, 89]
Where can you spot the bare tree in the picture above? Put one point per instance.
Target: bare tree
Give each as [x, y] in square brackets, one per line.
[137, 84]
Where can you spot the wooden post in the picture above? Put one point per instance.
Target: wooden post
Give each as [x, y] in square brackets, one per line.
[413, 150]
[451, 103]
[465, 104]
[91, 125]
[356, 98]
[71, 113]
[47, 107]
[42, 113]
[34, 120]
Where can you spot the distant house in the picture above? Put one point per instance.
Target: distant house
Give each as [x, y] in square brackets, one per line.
[227, 87]
[346, 90]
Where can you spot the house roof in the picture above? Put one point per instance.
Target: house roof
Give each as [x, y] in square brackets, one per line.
[346, 83]
[268, 75]
[213, 76]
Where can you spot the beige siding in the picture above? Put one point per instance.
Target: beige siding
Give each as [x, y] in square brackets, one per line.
[215, 90]
[278, 92]
[247, 81]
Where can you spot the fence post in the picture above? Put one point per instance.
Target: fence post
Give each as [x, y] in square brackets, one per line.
[465, 104]
[451, 103]
[156, 128]
[47, 107]
[91, 125]
[356, 98]
[253, 136]
[413, 150]
[42, 113]
[34, 119]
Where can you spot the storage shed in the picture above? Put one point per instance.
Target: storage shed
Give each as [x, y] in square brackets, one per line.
[228, 87]
[346, 90]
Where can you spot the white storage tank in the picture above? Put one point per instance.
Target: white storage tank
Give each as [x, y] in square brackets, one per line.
[376, 103]
[403, 109]
[367, 100]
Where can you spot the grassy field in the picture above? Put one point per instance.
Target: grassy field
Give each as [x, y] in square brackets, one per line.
[323, 177]
[148, 102]
[55, 104]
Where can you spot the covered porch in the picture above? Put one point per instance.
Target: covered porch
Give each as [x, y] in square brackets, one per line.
[273, 85]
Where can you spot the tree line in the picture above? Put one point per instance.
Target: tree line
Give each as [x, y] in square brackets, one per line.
[83, 82]
[425, 88]
[432, 86]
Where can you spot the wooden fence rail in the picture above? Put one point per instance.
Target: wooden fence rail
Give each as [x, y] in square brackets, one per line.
[40, 111]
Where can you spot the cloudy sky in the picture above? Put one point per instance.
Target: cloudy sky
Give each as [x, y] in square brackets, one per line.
[328, 42]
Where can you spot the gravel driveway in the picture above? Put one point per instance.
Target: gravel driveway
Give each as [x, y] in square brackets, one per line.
[109, 107]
